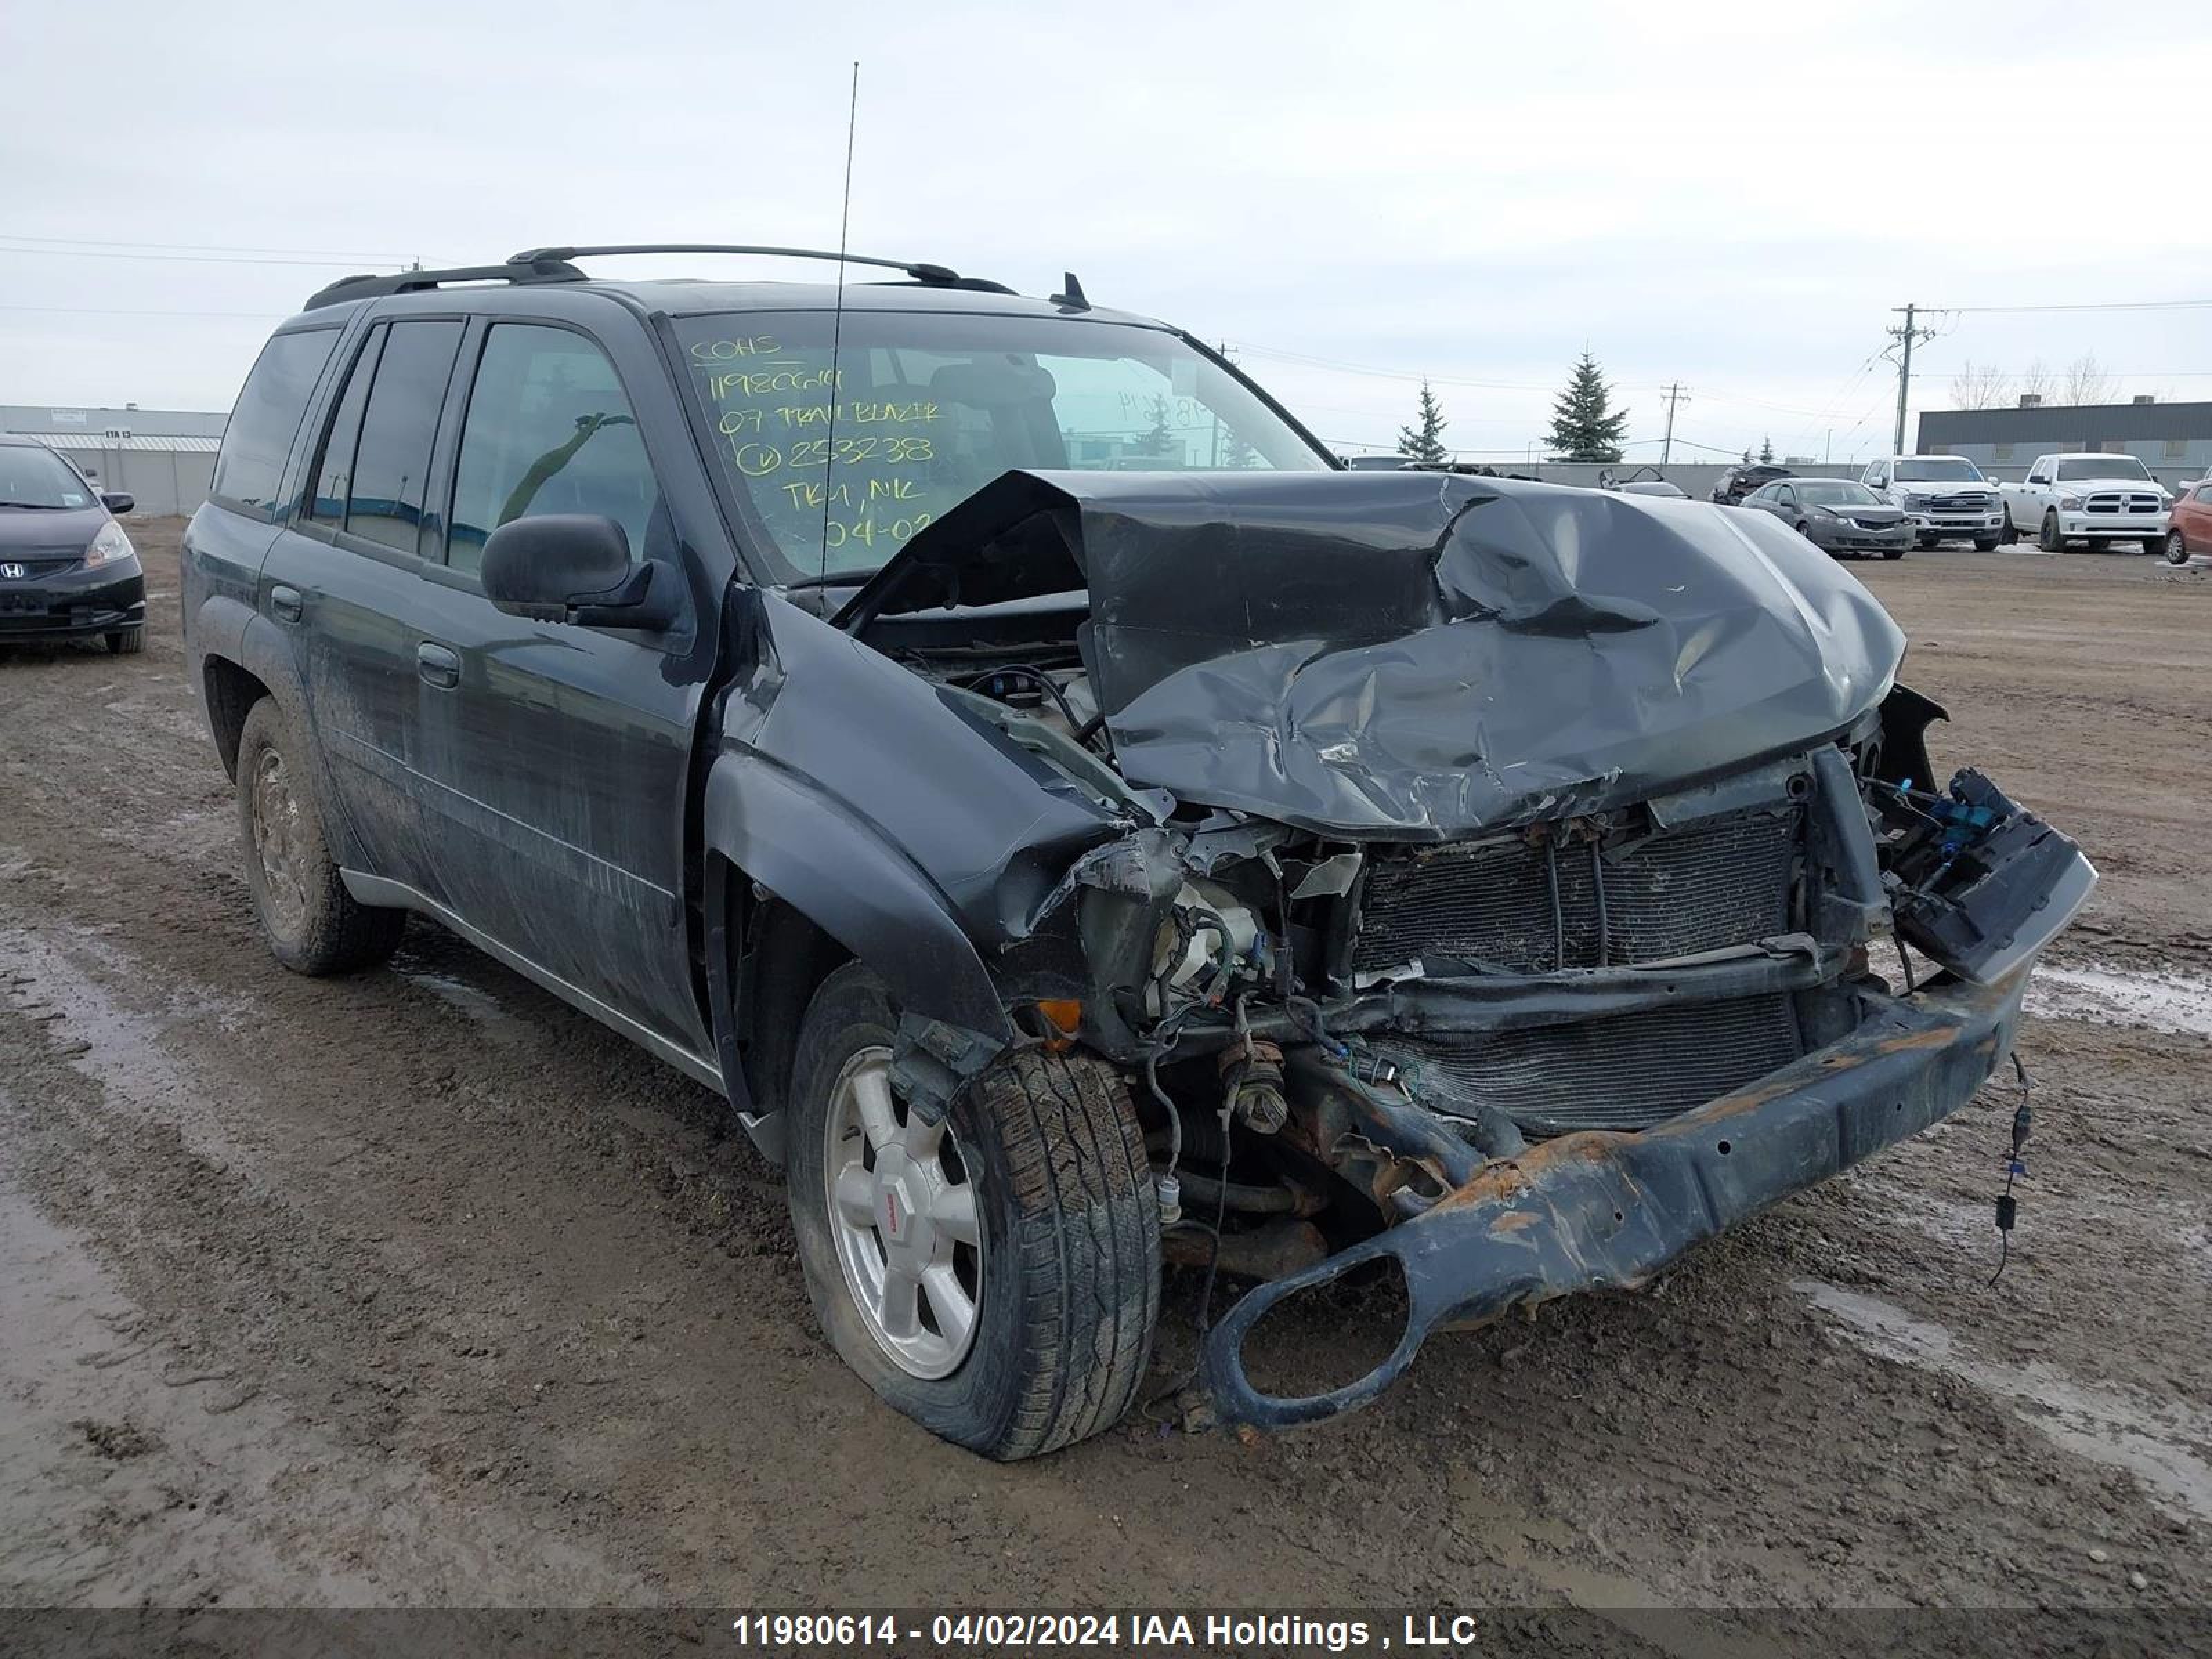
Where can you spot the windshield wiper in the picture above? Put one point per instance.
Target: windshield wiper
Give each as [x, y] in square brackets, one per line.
[39, 507]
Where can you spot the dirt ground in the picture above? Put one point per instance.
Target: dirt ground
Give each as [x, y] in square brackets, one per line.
[419, 1288]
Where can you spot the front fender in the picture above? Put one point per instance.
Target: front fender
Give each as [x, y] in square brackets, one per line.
[846, 879]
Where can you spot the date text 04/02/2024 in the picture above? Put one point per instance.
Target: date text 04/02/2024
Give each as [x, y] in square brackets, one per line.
[1166, 1630]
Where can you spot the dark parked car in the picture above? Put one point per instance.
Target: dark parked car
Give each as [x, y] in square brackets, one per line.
[1061, 867]
[67, 569]
[1836, 515]
[1738, 482]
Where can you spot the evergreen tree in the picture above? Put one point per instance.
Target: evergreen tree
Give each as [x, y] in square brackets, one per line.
[1233, 453]
[1160, 439]
[1766, 449]
[1585, 427]
[1425, 442]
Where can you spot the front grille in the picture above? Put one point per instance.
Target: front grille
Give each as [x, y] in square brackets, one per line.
[37, 564]
[2121, 501]
[1626, 1072]
[1963, 504]
[1721, 882]
[1875, 524]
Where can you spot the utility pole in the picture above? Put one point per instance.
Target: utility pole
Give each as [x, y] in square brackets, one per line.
[1674, 395]
[1907, 334]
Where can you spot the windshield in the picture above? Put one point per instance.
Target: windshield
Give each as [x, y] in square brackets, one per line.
[31, 474]
[930, 407]
[1836, 494]
[2086, 467]
[1941, 469]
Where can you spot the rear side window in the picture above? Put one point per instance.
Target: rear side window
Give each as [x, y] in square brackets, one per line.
[250, 471]
[548, 430]
[327, 504]
[385, 497]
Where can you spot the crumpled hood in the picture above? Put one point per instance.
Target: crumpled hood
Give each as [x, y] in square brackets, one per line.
[1416, 656]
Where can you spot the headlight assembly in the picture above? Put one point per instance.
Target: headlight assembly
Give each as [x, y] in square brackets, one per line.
[110, 546]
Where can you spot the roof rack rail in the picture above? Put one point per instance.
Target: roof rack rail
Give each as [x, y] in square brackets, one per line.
[521, 269]
[921, 270]
[552, 264]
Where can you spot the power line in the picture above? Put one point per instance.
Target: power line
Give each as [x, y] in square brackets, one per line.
[192, 258]
[1389, 373]
[105, 311]
[82, 242]
[2106, 305]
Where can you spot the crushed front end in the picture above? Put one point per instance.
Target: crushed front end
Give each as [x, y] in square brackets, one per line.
[1513, 882]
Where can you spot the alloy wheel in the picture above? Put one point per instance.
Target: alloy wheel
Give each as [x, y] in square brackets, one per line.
[902, 1212]
[278, 835]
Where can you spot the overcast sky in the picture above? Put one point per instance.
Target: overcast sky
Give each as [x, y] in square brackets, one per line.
[1731, 194]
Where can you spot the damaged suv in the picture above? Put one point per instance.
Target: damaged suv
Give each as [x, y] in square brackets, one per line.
[1076, 823]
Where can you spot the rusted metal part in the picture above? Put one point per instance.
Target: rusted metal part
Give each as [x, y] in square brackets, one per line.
[1282, 1247]
[1606, 1210]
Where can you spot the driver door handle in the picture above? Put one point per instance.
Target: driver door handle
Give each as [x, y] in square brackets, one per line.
[437, 665]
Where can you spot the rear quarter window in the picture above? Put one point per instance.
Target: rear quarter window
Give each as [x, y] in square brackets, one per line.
[250, 471]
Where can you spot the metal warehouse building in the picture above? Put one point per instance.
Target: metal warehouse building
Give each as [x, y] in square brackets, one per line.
[165, 457]
[2174, 441]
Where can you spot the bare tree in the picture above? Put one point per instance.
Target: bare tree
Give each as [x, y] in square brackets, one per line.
[2035, 381]
[1981, 385]
[2087, 383]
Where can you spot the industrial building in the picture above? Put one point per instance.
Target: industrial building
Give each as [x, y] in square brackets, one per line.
[165, 457]
[2174, 441]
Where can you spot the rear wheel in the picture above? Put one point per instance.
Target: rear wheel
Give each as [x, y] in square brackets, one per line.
[996, 1277]
[313, 926]
[2048, 538]
[127, 642]
[2177, 548]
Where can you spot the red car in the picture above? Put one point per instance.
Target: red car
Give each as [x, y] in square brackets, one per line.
[2189, 530]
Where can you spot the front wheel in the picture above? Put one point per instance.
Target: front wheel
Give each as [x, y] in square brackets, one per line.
[2010, 534]
[2177, 548]
[1892, 552]
[1985, 544]
[127, 642]
[2048, 538]
[996, 1277]
[313, 926]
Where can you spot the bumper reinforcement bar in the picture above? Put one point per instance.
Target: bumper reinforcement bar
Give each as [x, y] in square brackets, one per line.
[1605, 1210]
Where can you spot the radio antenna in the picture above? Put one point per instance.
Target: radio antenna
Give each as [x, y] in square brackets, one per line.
[837, 322]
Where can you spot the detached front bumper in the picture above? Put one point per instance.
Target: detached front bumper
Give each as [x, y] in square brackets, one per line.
[1603, 1210]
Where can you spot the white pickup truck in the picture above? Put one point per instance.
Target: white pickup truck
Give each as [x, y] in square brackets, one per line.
[2087, 498]
[1941, 495]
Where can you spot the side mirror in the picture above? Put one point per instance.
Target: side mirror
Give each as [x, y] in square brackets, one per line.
[118, 501]
[574, 568]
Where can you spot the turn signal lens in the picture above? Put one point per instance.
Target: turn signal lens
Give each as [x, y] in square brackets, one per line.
[1065, 1016]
